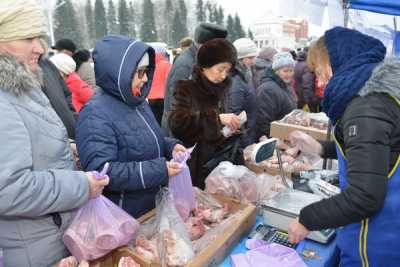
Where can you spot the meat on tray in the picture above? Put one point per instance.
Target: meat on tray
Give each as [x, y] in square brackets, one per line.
[302, 118]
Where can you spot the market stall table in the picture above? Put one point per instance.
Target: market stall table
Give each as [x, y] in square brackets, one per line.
[327, 255]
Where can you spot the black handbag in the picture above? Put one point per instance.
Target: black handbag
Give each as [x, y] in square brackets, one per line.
[231, 151]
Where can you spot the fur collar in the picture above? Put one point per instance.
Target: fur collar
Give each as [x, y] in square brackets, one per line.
[384, 79]
[15, 77]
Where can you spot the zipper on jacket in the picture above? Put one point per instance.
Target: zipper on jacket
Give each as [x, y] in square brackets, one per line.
[151, 130]
[121, 200]
[141, 174]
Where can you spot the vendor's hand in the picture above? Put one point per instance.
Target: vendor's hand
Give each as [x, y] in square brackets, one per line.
[96, 185]
[178, 148]
[173, 168]
[305, 143]
[231, 120]
[297, 232]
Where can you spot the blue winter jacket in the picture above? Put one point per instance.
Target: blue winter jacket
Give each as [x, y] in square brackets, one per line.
[117, 127]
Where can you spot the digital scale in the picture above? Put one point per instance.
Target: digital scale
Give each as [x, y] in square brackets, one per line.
[280, 211]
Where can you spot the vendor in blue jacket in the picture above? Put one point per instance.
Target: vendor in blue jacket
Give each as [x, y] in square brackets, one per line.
[118, 126]
[362, 100]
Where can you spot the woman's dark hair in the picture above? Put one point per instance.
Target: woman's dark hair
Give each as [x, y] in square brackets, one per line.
[80, 57]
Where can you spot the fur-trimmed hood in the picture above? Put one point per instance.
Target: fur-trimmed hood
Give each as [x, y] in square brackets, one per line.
[15, 77]
[384, 79]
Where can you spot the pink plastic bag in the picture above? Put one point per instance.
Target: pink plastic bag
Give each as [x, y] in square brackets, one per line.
[181, 186]
[263, 254]
[99, 227]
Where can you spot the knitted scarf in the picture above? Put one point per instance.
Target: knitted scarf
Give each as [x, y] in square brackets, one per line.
[353, 57]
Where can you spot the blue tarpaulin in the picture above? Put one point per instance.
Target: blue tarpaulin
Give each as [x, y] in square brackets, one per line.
[390, 7]
[397, 44]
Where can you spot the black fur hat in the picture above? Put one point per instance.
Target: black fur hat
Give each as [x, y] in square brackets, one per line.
[207, 31]
[216, 51]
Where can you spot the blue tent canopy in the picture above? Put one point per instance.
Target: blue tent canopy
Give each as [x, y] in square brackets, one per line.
[390, 7]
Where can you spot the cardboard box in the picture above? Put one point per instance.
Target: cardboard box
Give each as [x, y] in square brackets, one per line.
[221, 246]
[260, 169]
[282, 130]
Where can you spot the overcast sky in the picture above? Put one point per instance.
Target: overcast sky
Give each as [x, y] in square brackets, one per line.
[251, 10]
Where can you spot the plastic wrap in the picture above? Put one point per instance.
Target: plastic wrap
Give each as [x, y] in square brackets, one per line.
[306, 119]
[127, 262]
[213, 233]
[206, 199]
[267, 254]
[268, 186]
[175, 247]
[226, 131]
[98, 227]
[291, 200]
[181, 186]
[233, 181]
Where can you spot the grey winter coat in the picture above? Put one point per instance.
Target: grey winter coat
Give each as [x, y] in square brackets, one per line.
[274, 100]
[36, 174]
[181, 70]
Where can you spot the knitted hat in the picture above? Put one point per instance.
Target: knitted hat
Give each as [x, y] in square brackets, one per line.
[20, 19]
[267, 53]
[207, 31]
[281, 60]
[214, 52]
[64, 63]
[65, 44]
[245, 48]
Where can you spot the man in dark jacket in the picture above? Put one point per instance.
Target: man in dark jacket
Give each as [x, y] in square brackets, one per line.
[58, 94]
[183, 66]
[304, 84]
[274, 96]
[262, 62]
[241, 96]
[362, 100]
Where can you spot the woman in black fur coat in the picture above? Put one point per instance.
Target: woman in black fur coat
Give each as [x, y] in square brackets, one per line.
[195, 117]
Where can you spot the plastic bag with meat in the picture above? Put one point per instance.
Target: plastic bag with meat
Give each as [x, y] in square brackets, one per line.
[98, 227]
[127, 262]
[181, 186]
[233, 181]
[175, 247]
[268, 186]
[205, 199]
[147, 248]
[213, 233]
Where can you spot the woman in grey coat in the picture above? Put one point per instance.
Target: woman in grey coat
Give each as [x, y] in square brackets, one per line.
[39, 188]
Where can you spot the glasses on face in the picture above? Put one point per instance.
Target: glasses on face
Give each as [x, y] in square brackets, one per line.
[141, 72]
